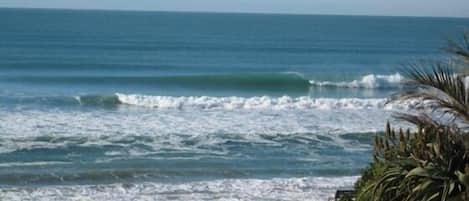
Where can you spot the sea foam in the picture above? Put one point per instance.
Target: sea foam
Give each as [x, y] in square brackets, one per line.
[169, 121]
[286, 189]
[165, 119]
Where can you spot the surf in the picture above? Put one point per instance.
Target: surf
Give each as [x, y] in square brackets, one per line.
[370, 81]
[214, 102]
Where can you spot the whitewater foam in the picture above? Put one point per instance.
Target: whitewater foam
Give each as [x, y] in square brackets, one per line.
[370, 81]
[41, 163]
[261, 102]
[169, 121]
[170, 128]
[285, 189]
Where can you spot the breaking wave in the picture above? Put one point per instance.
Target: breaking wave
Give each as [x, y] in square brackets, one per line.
[259, 102]
[263, 102]
[370, 81]
[224, 103]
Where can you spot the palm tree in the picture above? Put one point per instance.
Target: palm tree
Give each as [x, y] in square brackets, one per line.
[433, 162]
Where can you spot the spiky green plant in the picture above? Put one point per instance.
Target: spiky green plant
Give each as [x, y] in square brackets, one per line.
[426, 165]
[433, 162]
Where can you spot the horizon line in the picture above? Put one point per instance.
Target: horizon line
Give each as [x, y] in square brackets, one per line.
[229, 12]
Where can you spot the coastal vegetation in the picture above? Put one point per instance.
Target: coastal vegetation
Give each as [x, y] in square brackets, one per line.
[431, 161]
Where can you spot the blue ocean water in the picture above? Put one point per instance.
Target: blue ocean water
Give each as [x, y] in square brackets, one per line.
[121, 105]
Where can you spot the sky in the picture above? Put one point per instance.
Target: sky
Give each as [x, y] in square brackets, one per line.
[446, 8]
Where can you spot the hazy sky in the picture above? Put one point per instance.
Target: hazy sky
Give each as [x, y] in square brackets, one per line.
[458, 8]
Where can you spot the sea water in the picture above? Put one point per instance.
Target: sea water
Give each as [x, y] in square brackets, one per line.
[123, 105]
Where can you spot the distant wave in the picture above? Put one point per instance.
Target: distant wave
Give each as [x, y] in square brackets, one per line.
[370, 81]
[288, 81]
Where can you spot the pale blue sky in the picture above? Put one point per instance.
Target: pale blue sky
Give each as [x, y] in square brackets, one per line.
[456, 8]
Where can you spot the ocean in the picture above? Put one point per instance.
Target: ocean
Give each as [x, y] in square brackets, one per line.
[126, 105]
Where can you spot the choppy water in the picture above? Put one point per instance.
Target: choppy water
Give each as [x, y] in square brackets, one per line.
[107, 105]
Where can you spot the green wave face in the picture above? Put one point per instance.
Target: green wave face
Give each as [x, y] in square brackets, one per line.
[253, 81]
[261, 81]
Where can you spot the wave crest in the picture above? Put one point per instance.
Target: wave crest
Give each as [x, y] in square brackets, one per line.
[370, 81]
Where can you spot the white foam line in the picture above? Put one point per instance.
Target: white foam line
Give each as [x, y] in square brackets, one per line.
[287, 189]
[41, 163]
[259, 102]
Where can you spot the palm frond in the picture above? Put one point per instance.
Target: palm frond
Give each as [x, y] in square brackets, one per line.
[440, 87]
[460, 49]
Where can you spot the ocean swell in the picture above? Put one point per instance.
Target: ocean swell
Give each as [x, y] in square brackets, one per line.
[247, 81]
[288, 81]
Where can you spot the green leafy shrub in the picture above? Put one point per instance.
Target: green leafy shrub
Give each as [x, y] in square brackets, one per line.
[426, 165]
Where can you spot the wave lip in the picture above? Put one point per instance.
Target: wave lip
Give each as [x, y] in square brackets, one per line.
[370, 81]
[259, 102]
